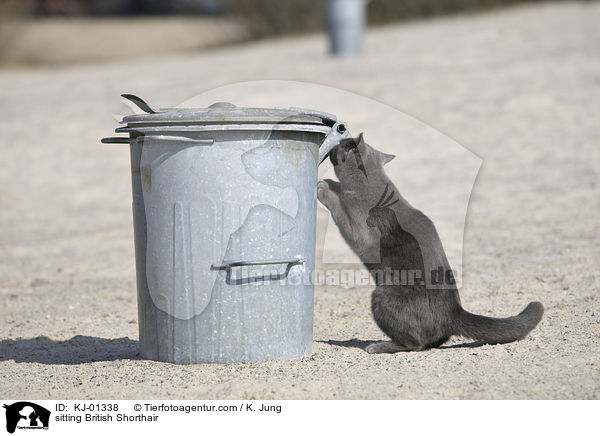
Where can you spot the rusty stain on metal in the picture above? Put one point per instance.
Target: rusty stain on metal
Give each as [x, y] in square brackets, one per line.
[147, 176]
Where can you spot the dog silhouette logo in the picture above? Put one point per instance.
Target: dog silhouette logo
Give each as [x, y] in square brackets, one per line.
[26, 415]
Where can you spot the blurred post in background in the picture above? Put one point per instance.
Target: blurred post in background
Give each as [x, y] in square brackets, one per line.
[345, 24]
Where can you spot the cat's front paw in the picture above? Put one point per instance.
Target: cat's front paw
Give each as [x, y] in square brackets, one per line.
[322, 185]
[322, 191]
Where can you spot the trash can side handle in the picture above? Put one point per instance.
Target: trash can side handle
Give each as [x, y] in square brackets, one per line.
[338, 132]
[164, 138]
[228, 266]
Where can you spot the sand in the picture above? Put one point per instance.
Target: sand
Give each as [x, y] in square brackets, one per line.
[518, 87]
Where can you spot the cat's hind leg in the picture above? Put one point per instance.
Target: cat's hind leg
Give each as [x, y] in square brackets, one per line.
[393, 315]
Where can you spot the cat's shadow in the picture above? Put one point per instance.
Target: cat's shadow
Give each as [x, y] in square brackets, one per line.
[79, 349]
[362, 344]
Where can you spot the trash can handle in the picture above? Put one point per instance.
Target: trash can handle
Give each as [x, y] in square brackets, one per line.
[142, 104]
[338, 132]
[164, 138]
[231, 281]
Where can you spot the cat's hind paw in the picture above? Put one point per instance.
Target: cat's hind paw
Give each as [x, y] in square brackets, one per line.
[385, 347]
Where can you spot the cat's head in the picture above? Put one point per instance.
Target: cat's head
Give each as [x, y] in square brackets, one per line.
[381, 215]
[355, 161]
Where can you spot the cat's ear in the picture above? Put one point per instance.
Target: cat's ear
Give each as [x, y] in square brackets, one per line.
[360, 141]
[386, 158]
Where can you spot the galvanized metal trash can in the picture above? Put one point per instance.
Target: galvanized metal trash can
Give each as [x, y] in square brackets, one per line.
[224, 210]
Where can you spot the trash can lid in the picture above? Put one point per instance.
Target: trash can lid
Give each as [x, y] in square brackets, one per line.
[217, 117]
[222, 113]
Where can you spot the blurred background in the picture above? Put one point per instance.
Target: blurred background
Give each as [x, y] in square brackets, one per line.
[54, 32]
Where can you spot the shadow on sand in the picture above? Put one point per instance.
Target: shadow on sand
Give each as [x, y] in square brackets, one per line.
[85, 349]
[361, 344]
[79, 349]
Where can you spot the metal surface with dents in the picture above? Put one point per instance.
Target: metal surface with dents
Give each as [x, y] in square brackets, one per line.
[224, 225]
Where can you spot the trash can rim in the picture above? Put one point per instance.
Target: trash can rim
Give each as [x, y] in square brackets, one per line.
[153, 129]
[231, 114]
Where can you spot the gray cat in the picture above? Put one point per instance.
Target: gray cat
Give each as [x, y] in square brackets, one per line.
[416, 301]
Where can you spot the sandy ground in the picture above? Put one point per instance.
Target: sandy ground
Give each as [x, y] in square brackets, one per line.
[518, 87]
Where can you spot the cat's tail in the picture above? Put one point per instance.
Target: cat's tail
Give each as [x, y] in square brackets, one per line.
[500, 330]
